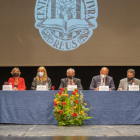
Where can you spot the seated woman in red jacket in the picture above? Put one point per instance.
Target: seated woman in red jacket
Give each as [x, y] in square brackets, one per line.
[16, 81]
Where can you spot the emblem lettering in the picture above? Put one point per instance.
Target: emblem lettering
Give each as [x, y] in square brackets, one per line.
[66, 24]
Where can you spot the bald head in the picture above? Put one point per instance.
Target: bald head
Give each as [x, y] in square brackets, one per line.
[104, 71]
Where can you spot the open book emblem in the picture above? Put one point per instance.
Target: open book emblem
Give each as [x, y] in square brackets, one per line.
[66, 24]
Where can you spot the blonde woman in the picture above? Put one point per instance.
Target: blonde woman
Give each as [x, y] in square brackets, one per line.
[16, 81]
[41, 79]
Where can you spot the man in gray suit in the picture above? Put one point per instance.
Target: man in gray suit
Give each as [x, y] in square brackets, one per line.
[128, 81]
[71, 80]
[102, 79]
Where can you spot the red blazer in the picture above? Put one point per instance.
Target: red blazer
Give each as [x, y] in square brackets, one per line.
[20, 85]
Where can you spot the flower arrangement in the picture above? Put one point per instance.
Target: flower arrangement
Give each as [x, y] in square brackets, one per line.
[70, 110]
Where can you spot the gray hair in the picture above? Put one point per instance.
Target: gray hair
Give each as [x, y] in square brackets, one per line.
[131, 71]
[71, 69]
[105, 68]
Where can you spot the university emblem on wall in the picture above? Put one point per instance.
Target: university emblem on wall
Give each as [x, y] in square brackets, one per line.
[66, 24]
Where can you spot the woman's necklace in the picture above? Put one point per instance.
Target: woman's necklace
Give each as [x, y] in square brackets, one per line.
[16, 81]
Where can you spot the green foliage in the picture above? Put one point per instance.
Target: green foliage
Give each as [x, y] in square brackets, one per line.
[70, 110]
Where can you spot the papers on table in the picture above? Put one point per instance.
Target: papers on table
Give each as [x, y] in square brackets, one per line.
[103, 88]
[42, 87]
[133, 88]
[7, 87]
[71, 87]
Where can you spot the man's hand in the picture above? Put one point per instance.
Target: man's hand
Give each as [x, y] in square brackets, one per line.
[97, 89]
[120, 89]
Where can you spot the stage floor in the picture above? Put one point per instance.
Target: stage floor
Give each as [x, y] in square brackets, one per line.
[8, 130]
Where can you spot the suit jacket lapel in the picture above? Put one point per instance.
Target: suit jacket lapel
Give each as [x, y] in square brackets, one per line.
[135, 81]
[74, 80]
[99, 79]
[66, 83]
[106, 80]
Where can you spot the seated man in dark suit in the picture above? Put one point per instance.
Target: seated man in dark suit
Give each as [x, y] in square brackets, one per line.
[71, 80]
[102, 79]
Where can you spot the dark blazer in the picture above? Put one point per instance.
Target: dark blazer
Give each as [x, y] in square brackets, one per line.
[108, 82]
[64, 83]
[36, 82]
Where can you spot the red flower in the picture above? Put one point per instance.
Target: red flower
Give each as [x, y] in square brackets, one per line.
[73, 93]
[61, 89]
[60, 93]
[60, 112]
[63, 103]
[74, 114]
[76, 90]
[55, 104]
[76, 101]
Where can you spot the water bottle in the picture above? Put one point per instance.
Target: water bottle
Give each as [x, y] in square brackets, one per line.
[5, 83]
[46, 85]
[10, 83]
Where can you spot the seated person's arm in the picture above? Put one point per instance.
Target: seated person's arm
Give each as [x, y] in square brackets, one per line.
[22, 86]
[112, 85]
[49, 84]
[79, 85]
[92, 85]
[61, 84]
[139, 84]
[9, 81]
[33, 87]
[120, 86]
